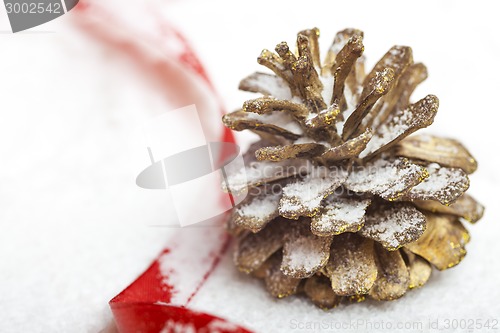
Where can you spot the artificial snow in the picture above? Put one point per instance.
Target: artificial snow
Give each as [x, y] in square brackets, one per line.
[385, 178]
[340, 213]
[386, 133]
[260, 208]
[272, 84]
[305, 196]
[304, 255]
[395, 225]
[278, 118]
[443, 184]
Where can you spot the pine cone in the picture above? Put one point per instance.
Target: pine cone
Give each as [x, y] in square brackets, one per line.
[341, 203]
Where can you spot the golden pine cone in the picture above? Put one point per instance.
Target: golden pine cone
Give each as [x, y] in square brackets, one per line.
[341, 203]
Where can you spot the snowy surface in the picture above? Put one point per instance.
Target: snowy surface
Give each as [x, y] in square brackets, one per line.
[75, 230]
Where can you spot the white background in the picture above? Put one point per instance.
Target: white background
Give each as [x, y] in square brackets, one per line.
[75, 230]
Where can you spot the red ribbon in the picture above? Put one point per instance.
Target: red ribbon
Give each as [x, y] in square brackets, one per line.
[149, 304]
[144, 306]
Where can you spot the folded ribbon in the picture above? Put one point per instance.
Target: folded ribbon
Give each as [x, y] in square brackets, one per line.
[158, 300]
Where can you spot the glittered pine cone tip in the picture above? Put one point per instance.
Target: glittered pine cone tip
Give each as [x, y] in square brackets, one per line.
[342, 203]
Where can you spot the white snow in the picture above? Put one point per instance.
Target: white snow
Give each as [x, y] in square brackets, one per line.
[272, 84]
[280, 119]
[261, 208]
[384, 178]
[304, 139]
[259, 171]
[303, 255]
[340, 213]
[307, 194]
[439, 178]
[388, 132]
[327, 92]
[394, 226]
[443, 184]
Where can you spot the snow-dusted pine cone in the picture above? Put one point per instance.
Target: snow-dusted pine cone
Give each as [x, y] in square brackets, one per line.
[341, 203]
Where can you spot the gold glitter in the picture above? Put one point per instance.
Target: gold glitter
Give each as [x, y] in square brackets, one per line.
[443, 243]
[343, 204]
[351, 269]
[446, 152]
[393, 278]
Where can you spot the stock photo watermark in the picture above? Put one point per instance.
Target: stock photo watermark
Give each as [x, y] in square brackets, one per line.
[427, 325]
[191, 169]
[26, 14]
